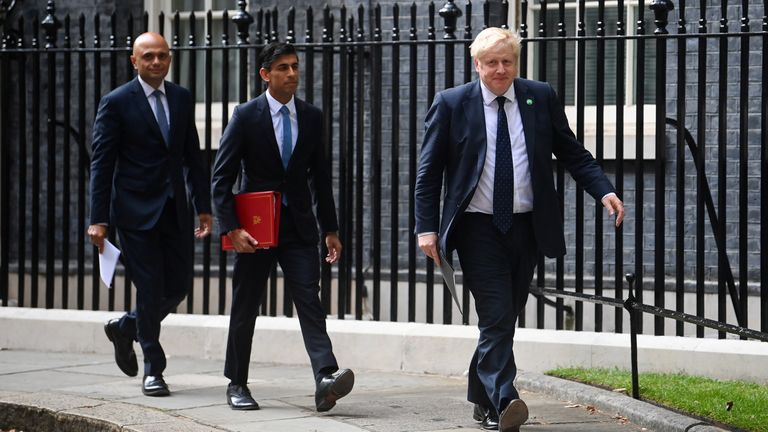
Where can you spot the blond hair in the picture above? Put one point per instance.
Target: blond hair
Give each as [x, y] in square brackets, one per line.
[493, 36]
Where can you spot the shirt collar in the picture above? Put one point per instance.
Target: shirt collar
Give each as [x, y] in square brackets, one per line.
[275, 105]
[148, 89]
[489, 97]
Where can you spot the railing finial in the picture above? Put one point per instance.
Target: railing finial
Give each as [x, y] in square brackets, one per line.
[661, 10]
[450, 13]
[242, 20]
[51, 25]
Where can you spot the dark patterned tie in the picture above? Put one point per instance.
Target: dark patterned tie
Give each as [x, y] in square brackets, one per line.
[504, 174]
[162, 120]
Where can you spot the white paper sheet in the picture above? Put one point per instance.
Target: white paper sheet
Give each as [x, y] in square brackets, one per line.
[108, 262]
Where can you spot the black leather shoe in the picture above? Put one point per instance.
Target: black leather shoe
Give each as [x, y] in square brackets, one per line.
[239, 398]
[332, 388]
[513, 416]
[479, 413]
[491, 420]
[125, 357]
[154, 386]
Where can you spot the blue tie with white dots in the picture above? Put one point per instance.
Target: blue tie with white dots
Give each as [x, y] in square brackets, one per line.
[504, 174]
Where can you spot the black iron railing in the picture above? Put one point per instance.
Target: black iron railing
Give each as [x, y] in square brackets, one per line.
[374, 73]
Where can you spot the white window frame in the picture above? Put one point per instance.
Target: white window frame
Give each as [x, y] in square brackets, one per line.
[154, 8]
[590, 111]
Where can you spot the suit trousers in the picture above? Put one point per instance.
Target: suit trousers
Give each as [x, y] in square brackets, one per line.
[497, 269]
[300, 263]
[159, 262]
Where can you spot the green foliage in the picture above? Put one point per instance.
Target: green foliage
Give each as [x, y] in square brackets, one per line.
[739, 404]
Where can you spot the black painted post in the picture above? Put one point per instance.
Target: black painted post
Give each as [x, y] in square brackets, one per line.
[291, 34]
[5, 183]
[450, 13]
[51, 25]
[764, 185]
[412, 157]
[633, 318]
[243, 20]
[661, 10]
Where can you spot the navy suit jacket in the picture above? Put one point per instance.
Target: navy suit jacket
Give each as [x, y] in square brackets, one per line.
[132, 169]
[249, 147]
[455, 145]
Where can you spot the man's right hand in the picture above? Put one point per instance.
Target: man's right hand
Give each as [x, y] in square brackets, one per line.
[428, 244]
[97, 233]
[242, 241]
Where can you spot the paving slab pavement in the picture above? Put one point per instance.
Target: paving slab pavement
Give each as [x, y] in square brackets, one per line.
[88, 392]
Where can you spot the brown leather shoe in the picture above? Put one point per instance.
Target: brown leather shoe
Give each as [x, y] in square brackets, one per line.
[513, 416]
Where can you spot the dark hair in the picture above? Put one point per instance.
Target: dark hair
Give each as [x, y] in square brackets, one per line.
[272, 51]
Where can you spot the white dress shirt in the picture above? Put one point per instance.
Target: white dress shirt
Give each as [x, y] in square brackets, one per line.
[482, 200]
[277, 121]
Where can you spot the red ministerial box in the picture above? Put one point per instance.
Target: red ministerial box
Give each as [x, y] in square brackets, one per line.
[259, 215]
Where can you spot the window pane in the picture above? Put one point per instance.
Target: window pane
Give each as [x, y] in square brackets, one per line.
[549, 71]
[187, 5]
[223, 4]
[649, 83]
[553, 61]
[182, 59]
[218, 65]
[609, 60]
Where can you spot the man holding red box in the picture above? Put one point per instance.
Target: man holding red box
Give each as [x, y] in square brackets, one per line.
[274, 143]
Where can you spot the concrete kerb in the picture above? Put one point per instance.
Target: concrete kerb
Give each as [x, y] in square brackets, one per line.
[45, 412]
[642, 413]
[406, 347]
[417, 348]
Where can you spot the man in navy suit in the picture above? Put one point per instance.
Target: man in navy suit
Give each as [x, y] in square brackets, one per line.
[492, 140]
[145, 149]
[274, 142]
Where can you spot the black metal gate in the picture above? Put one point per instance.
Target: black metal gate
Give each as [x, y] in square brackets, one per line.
[677, 120]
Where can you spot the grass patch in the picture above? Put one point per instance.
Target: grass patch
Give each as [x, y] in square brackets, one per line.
[699, 396]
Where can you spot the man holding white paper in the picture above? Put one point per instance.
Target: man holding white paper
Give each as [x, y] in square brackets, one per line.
[146, 155]
[108, 257]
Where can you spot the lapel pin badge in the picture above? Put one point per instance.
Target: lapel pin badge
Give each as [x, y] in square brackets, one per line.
[529, 101]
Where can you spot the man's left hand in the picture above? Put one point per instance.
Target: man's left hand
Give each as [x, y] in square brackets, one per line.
[614, 206]
[333, 244]
[204, 228]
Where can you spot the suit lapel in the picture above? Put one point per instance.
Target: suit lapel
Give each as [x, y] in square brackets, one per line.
[527, 115]
[265, 121]
[473, 109]
[146, 111]
[301, 144]
[173, 111]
